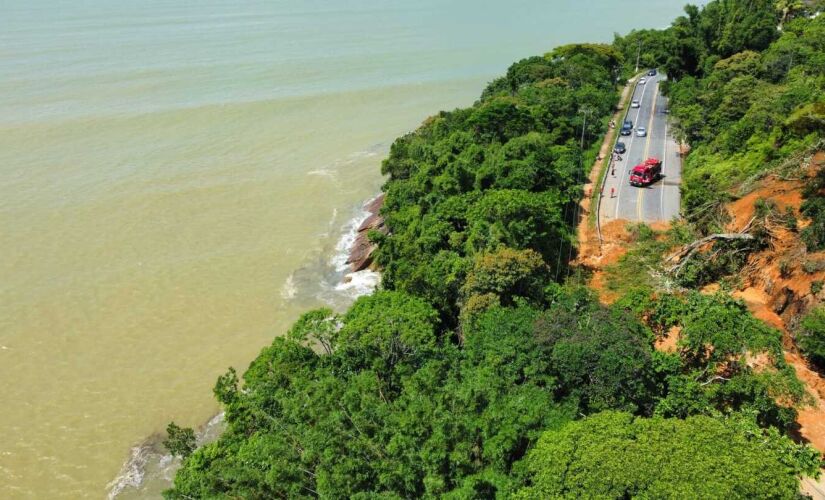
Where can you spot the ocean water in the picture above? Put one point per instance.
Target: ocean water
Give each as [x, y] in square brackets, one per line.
[178, 182]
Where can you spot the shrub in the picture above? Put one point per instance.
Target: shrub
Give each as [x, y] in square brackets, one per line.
[603, 358]
[507, 274]
[811, 336]
[180, 441]
[725, 258]
[814, 209]
[790, 219]
[785, 268]
[811, 266]
[614, 455]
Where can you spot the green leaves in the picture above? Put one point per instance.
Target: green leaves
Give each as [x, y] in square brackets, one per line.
[502, 276]
[603, 358]
[462, 378]
[180, 441]
[319, 326]
[503, 172]
[226, 388]
[811, 336]
[614, 455]
[727, 359]
[500, 119]
[814, 209]
[719, 330]
[517, 219]
[388, 332]
[748, 96]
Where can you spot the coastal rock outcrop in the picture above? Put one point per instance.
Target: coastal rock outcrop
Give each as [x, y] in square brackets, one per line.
[360, 255]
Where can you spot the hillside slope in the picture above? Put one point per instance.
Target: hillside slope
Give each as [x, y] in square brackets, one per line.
[482, 368]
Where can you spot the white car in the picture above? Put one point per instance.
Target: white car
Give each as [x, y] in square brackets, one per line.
[641, 132]
[642, 81]
[634, 103]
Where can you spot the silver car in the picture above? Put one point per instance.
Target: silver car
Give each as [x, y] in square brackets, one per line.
[634, 103]
[642, 81]
[641, 132]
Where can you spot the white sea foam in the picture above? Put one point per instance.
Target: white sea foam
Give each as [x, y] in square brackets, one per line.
[342, 286]
[366, 153]
[133, 471]
[331, 171]
[344, 245]
[212, 430]
[289, 289]
[360, 283]
[151, 467]
[322, 172]
[149, 462]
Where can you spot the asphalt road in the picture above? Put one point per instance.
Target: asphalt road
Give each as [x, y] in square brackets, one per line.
[659, 201]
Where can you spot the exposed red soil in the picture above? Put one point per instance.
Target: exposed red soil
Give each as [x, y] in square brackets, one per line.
[669, 341]
[592, 254]
[595, 257]
[616, 239]
[811, 419]
[775, 286]
[777, 289]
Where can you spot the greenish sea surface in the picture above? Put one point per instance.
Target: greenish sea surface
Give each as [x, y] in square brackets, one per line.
[180, 180]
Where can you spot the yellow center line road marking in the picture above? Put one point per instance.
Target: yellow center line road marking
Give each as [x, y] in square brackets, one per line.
[662, 187]
[640, 196]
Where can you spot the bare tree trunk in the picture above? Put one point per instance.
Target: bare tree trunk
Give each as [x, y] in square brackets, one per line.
[685, 254]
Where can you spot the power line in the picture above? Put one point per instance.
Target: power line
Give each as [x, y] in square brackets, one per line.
[580, 181]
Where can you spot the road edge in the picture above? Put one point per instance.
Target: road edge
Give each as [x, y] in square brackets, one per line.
[598, 171]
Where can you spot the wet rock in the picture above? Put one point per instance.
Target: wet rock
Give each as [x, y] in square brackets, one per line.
[374, 205]
[374, 221]
[360, 255]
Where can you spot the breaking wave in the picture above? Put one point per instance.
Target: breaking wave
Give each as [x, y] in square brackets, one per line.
[359, 283]
[289, 290]
[353, 284]
[150, 468]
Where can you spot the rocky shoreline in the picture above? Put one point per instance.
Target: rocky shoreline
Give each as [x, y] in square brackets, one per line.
[360, 254]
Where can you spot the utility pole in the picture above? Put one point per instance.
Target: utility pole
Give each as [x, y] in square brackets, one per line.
[638, 53]
[585, 112]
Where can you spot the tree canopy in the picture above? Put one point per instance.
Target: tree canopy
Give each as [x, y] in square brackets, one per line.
[505, 173]
[477, 370]
[616, 455]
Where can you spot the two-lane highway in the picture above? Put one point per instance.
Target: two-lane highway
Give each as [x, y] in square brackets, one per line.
[660, 200]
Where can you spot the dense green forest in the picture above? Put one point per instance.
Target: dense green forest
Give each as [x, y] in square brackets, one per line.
[480, 369]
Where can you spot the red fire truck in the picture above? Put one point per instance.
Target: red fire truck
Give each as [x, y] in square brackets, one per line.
[646, 173]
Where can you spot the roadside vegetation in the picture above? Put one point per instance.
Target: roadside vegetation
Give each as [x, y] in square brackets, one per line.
[748, 99]
[751, 110]
[811, 338]
[479, 370]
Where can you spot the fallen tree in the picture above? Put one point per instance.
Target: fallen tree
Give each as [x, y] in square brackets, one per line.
[684, 255]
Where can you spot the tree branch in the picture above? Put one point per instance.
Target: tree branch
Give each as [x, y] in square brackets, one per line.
[685, 254]
[713, 379]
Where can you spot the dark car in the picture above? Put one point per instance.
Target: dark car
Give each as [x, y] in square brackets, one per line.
[627, 127]
[620, 148]
[651, 72]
